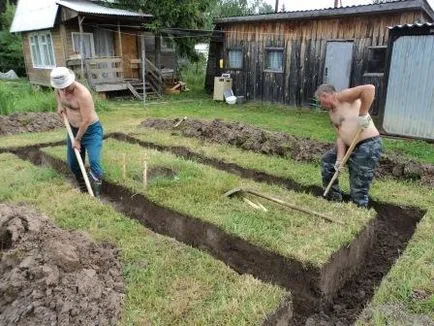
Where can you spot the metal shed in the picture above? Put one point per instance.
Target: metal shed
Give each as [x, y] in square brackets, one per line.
[408, 108]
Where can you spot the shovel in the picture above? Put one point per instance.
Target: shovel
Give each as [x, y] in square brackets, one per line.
[236, 191]
[344, 160]
[78, 156]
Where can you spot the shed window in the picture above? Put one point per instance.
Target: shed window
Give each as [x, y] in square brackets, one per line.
[376, 59]
[41, 48]
[88, 44]
[274, 59]
[235, 58]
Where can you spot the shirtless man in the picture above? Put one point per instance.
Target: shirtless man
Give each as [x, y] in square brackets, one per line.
[348, 111]
[76, 102]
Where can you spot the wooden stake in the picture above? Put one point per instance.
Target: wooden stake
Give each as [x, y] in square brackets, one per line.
[145, 171]
[124, 166]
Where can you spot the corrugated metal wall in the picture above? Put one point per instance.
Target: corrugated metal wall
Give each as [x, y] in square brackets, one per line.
[409, 109]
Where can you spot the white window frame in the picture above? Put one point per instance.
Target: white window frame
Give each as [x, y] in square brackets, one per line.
[44, 65]
[92, 42]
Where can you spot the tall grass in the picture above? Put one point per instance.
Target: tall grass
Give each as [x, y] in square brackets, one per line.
[21, 96]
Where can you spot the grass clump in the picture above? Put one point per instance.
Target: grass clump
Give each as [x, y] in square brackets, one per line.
[167, 283]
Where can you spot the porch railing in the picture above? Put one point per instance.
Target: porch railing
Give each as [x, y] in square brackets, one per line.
[102, 70]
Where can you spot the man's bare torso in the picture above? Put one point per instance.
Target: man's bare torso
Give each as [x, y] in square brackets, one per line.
[345, 118]
[72, 107]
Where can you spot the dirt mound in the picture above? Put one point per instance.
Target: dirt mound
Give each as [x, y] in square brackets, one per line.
[281, 144]
[17, 123]
[247, 137]
[49, 276]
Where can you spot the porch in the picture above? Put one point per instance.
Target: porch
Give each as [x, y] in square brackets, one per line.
[107, 74]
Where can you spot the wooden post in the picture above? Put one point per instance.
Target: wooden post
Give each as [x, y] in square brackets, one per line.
[144, 68]
[80, 26]
[120, 40]
[145, 172]
[276, 8]
[124, 166]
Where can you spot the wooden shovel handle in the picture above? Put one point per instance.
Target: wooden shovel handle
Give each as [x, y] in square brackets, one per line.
[281, 202]
[344, 160]
[78, 156]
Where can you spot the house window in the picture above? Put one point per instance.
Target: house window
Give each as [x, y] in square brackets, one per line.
[274, 59]
[235, 59]
[41, 48]
[88, 44]
[376, 59]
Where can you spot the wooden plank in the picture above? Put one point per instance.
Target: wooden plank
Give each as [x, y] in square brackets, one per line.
[133, 91]
[104, 60]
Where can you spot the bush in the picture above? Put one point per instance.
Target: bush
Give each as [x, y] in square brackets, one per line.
[11, 53]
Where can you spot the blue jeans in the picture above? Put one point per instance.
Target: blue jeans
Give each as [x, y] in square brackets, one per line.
[361, 164]
[92, 143]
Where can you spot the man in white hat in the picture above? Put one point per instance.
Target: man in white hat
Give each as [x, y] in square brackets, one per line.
[75, 100]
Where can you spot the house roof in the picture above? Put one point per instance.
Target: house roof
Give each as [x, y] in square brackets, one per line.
[87, 7]
[32, 15]
[411, 26]
[387, 7]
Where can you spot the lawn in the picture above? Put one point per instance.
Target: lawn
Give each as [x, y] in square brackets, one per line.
[197, 190]
[168, 283]
[409, 283]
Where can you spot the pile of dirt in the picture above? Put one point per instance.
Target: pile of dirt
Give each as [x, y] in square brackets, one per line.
[17, 123]
[277, 143]
[246, 137]
[49, 276]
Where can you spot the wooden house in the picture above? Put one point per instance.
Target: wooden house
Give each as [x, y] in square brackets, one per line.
[104, 45]
[283, 57]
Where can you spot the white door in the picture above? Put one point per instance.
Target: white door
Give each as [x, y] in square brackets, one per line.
[339, 59]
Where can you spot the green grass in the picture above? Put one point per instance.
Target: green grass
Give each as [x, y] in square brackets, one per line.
[167, 283]
[20, 96]
[414, 271]
[198, 191]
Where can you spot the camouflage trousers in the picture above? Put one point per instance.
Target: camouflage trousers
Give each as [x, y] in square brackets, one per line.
[361, 165]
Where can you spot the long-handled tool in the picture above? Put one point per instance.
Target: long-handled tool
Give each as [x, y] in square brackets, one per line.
[344, 160]
[78, 156]
[236, 191]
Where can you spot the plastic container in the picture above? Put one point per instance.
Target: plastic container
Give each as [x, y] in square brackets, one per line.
[231, 99]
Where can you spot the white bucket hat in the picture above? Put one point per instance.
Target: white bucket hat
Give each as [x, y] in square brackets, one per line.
[61, 77]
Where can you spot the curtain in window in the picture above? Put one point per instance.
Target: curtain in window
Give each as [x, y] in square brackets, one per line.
[274, 60]
[87, 44]
[235, 59]
[42, 50]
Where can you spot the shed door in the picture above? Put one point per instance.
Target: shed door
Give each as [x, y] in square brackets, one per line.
[337, 69]
[409, 109]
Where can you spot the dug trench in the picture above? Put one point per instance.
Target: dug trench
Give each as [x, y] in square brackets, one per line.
[336, 293]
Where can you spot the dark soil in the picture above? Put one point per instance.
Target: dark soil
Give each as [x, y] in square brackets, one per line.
[276, 143]
[49, 276]
[17, 123]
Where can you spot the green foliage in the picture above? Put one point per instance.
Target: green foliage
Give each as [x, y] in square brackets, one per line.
[11, 53]
[189, 14]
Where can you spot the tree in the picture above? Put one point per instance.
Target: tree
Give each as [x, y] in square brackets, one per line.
[283, 8]
[187, 14]
[11, 53]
